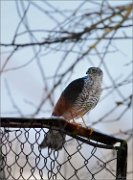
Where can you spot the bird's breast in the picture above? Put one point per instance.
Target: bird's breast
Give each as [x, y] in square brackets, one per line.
[89, 97]
[86, 100]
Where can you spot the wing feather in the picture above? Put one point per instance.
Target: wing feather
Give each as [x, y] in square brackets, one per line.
[68, 97]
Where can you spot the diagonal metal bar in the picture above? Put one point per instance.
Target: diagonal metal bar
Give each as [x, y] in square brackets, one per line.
[59, 124]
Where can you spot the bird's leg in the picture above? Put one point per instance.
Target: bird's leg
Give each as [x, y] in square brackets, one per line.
[83, 121]
[74, 122]
[91, 130]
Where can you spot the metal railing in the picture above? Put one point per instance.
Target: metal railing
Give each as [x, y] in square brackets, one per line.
[83, 156]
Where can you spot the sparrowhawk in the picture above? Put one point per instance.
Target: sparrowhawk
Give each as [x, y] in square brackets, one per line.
[78, 98]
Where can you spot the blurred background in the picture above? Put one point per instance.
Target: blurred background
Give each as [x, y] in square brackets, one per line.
[47, 44]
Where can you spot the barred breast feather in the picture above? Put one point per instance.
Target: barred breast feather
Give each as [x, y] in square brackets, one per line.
[89, 96]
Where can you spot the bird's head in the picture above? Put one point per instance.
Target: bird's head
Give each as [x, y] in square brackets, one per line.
[94, 72]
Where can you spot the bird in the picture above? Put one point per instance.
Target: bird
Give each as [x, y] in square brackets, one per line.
[78, 98]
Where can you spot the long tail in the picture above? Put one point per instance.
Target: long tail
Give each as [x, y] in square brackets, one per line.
[54, 140]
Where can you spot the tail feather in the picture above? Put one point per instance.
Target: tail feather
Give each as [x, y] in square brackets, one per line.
[54, 140]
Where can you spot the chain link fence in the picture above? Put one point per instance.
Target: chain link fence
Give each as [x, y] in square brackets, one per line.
[80, 158]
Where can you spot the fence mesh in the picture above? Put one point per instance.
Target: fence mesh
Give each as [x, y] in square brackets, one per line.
[21, 157]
